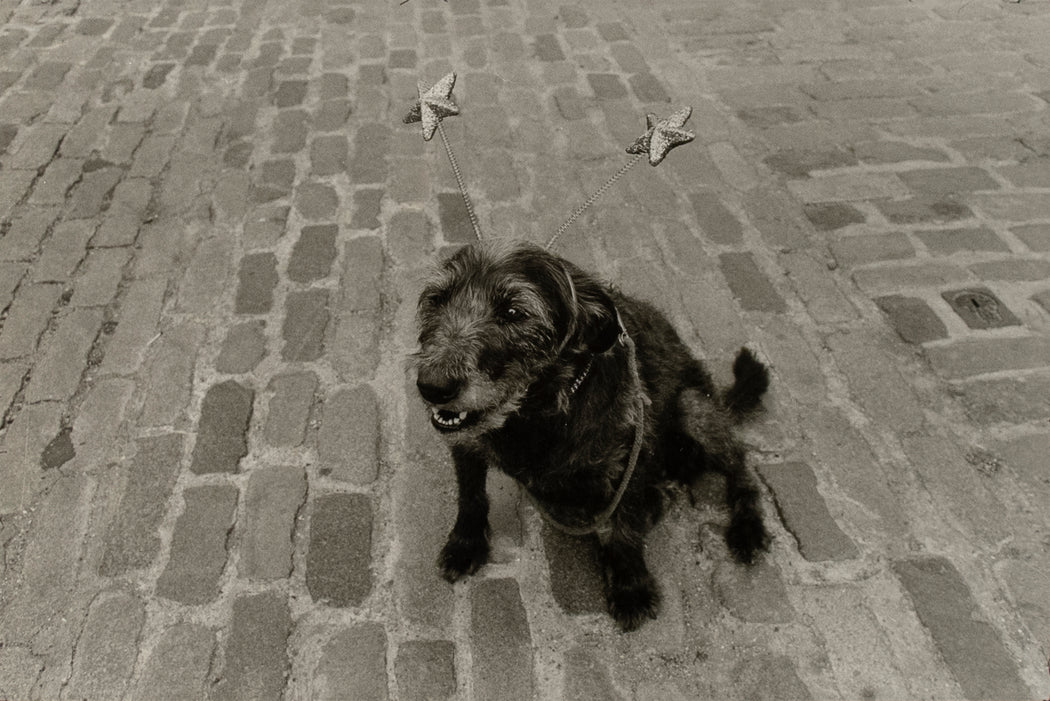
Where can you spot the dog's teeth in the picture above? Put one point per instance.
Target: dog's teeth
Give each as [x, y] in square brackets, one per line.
[462, 415]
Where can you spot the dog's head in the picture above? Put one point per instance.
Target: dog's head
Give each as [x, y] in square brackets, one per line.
[495, 318]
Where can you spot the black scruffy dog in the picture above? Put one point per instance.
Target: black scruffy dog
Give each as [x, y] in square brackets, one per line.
[526, 365]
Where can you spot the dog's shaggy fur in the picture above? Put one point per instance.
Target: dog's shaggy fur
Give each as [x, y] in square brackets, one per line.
[524, 368]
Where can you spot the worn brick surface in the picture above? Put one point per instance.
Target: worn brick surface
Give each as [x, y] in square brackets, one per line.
[132, 539]
[501, 645]
[273, 499]
[305, 321]
[353, 665]
[348, 440]
[425, 670]
[243, 348]
[166, 168]
[222, 431]
[178, 666]
[969, 644]
[289, 408]
[805, 513]
[255, 659]
[338, 563]
[199, 545]
[108, 647]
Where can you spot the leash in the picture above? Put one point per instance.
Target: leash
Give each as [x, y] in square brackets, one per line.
[601, 523]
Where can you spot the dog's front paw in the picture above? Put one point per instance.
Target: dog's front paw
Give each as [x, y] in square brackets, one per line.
[746, 537]
[462, 556]
[631, 604]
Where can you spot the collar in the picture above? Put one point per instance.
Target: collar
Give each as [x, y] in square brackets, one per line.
[581, 377]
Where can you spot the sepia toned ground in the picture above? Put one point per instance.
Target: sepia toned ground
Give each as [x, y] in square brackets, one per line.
[216, 480]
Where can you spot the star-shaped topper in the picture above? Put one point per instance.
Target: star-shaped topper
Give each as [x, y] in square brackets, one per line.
[433, 105]
[662, 135]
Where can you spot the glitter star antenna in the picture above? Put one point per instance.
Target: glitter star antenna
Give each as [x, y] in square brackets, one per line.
[434, 104]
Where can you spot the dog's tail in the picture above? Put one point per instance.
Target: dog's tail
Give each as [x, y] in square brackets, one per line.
[751, 380]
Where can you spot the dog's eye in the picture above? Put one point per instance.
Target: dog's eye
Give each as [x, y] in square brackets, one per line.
[436, 298]
[510, 313]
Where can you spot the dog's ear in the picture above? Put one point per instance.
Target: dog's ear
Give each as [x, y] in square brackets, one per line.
[596, 320]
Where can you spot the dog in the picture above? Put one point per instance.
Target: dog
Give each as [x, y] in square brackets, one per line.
[588, 398]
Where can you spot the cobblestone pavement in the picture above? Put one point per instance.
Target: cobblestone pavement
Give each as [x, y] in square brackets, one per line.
[215, 478]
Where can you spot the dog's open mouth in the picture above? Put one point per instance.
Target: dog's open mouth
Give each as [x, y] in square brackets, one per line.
[449, 421]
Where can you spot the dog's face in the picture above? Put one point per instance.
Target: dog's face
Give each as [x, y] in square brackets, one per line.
[494, 319]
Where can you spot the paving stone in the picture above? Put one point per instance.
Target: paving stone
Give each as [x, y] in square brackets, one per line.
[753, 593]
[178, 666]
[316, 201]
[848, 187]
[338, 562]
[606, 86]
[99, 277]
[256, 656]
[87, 199]
[243, 348]
[132, 541]
[353, 665]
[970, 357]
[108, 647]
[923, 209]
[290, 93]
[425, 670]
[798, 163]
[575, 572]
[38, 147]
[26, 229]
[749, 284]
[199, 545]
[63, 251]
[306, 318]
[257, 278]
[861, 249]
[547, 48]
[882, 152]
[58, 179]
[273, 499]
[169, 374]
[1025, 456]
[875, 382]
[366, 209]
[949, 241]
[833, 215]
[368, 162]
[717, 223]
[912, 318]
[818, 291]
[313, 253]
[939, 182]
[354, 351]
[58, 371]
[1013, 206]
[980, 308]
[501, 645]
[969, 645]
[805, 513]
[1035, 236]
[328, 155]
[289, 410]
[1034, 269]
[587, 677]
[892, 278]
[96, 429]
[27, 317]
[290, 130]
[222, 432]
[348, 440]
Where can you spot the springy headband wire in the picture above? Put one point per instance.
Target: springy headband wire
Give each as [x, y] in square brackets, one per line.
[661, 135]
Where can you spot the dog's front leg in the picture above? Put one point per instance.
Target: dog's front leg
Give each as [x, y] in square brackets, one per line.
[467, 548]
[631, 591]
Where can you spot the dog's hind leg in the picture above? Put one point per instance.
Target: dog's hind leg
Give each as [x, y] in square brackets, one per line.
[709, 426]
[467, 548]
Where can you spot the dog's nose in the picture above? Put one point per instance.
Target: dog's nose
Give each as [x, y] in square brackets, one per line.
[438, 390]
